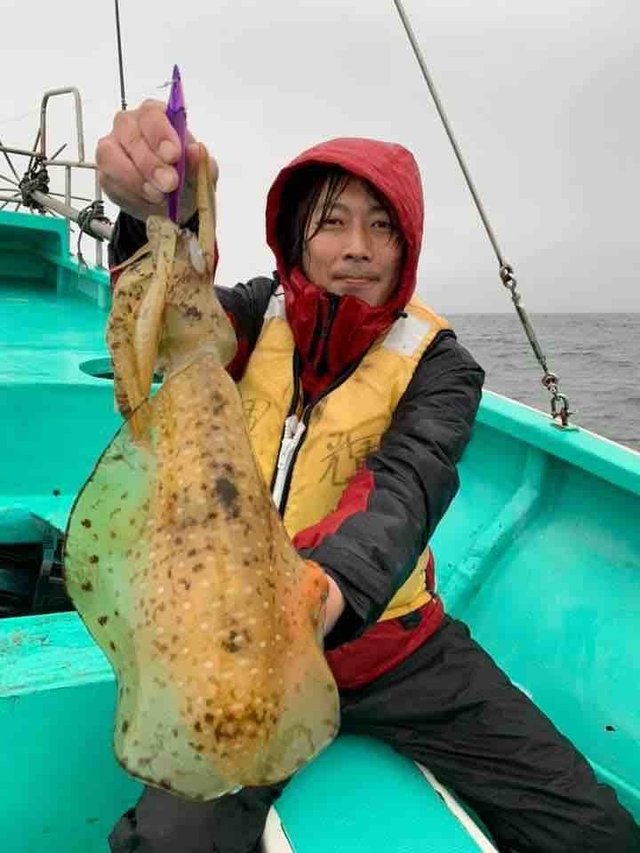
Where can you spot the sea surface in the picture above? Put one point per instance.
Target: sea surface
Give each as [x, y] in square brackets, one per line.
[596, 358]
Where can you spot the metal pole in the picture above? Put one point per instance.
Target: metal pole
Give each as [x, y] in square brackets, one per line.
[16, 151]
[8, 200]
[69, 90]
[67, 185]
[97, 229]
[123, 100]
[77, 164]
[6, 157]
[35, 148]
[98, 197]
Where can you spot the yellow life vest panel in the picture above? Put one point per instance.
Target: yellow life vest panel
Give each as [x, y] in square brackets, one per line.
[343, 427]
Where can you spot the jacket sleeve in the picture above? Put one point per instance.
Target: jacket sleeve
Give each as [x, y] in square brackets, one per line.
[245, 304]
[129, 235]
[391, 507]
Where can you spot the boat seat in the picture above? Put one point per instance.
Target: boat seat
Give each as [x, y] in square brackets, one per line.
[16, 510]
[30, 562]
[361, 795]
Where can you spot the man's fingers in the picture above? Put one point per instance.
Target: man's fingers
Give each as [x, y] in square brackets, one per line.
[136, 205]
[120, 178]
[158, 132]
[115, 167]
[133, 205]
[128, 130]
[136, 161]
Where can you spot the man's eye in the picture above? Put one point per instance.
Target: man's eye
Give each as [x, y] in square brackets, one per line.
[383, 224]
[331, 221]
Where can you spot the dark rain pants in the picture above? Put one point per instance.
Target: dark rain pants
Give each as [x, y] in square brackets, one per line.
[449, 707]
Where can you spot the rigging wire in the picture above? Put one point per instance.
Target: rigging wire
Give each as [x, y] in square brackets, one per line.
[559, 403]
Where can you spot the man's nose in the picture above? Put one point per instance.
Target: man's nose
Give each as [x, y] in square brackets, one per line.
[358, 243]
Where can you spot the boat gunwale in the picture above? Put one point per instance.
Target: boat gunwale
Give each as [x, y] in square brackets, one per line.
[600, 456]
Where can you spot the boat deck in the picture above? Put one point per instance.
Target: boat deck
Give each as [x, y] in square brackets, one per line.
[52, 317]
[45, 335]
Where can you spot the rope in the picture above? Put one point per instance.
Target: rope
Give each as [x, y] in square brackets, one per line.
[36, 178]
[559, 403]
[86, 216]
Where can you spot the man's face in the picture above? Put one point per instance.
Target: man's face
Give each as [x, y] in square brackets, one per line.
[355, 251]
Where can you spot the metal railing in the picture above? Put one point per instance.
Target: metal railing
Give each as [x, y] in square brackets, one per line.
[32, 189]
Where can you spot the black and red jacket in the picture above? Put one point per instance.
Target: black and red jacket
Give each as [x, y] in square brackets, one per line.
[412, 477]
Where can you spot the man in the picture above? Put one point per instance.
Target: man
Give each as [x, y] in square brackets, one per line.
[360, 402]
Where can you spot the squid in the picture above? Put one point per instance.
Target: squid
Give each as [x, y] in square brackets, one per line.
[175, 556]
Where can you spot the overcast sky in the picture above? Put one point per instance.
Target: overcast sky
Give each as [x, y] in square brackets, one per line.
[542, 95]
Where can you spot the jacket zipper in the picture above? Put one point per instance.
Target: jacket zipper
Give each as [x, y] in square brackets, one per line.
[291, 438]
[287, 437]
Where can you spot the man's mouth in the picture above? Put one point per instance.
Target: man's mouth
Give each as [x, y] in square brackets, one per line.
[357, 279]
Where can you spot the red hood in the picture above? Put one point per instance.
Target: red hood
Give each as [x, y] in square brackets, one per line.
[394, 172]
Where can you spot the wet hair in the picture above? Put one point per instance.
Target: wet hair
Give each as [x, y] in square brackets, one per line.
[299, 200]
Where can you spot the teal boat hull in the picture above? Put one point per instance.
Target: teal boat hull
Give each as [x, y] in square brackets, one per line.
[539, 553]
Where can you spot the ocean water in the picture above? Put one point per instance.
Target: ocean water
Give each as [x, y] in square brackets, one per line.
[596, 358]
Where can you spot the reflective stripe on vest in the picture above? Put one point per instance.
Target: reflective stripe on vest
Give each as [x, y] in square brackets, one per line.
[343, 427]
